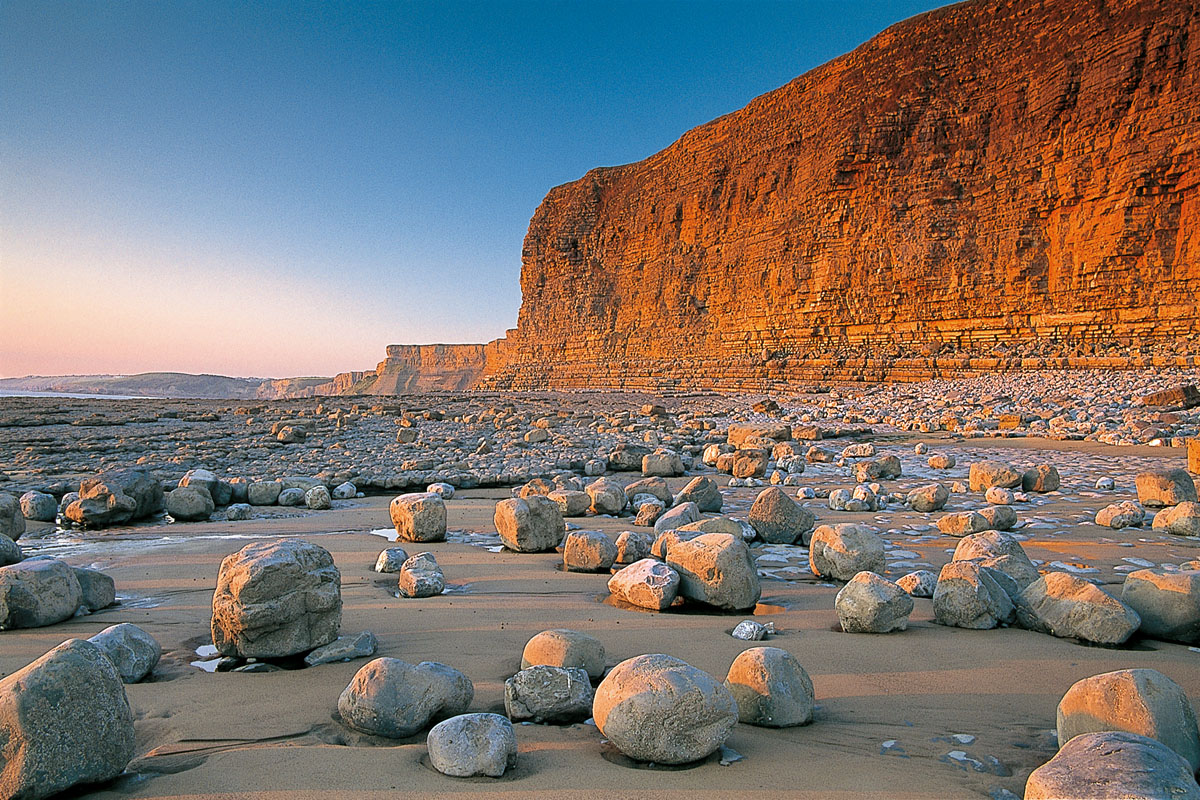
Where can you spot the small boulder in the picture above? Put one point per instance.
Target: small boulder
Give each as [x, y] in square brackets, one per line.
[1067, 606]
[392, 698]
[677, 517]
[985, 474]
[190, 504]
[37, 593]
[1141, 701]
[702, 491]
[608, 496]
[263, 493]
[632, 546]
[420, 576]
[778, 519]
[10, 552]
[870, 603]
[878, 469]
[999, 518]
[391, 559]
[419, 517]
[473, 744]
[1166, 487]
[1126, 514]
[648, 583]
[237, 511]
[967, 596]
[529, 524]
[770, 688]
[291, 496]
[941, 461]
[657, 708]
[96, 589]
[1042, 478]
[343, 648]
[662, 464]
[12, 520]
[588, 551]
[963, 523]
[750, 463]
[844, 550]
[131, 650]
[1180, 520]
[544, 693]
[345, 491]
[998, 551]
[114, 498]
[37, 506]
[1113, 765]
[1167, 602]
[716, 569]
[920, 583]
[928, 498]
[318, 498]
[567, 649]
[571, 503]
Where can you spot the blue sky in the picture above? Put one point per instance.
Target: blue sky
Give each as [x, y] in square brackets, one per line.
[285, 188]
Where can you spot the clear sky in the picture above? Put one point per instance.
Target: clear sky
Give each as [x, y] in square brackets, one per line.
[278, 189]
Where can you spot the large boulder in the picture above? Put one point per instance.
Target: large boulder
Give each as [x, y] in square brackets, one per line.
[131, 650]
[1141, 701]
[967, 596]
[419, 517]
[656, 487]
[115, 498]
[778, 519]
[12, 520]
[275, 599]
[999, 551]
[648, 583]
[1165, 487]
[844, 550]
[543, 693]
[588, 551]
[10, 552]
[675, 518]
[986, 474]
[37, 593]
[189, 504]
[96, 589]
[473, 744]
[770, 688]
[702, 491]
[565, 648]
[1180, 520]
[664, 464]
[870, 603]
[658, 708]
[1167, 602]
[1068, 606]
[571, 502]
[1042, 478]
[392, 698]
[928, 498]
[36, 506]
[608, 496]
[64, 721]
[1113, 765]
[716, 569]
[529, 524]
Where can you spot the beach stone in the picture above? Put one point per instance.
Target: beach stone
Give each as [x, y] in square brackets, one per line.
[627, 457]
[985, 474]
[667, 538]
[999, 497]
[1141, 701]
[928, 498]
[538, 486]
[420, 576]
[263, 493]
[749, 631]
[941, 461]
[998, 551]
[189, 504]
[704, 492]
[392, 698]
[97, 590]
[658, 708]
[36, 506]
[844, 550]
[662, 464]
[963, 523]
[473, 744]
[12, 521]
[567, 649]
[237, 511]
[64, 721]
[545, 693]
[344, 648]
[419, 517]
[677, 517]
[656, 487]
[1180, 520]
[292, 434]
[571, 503]
[608, 496]
[1126, 514]
[870, 603]
[770, 688]
[202, 479]
[1167, 602]
[131, 650]
[446, 490]
[114, 498]
[529, 524]
[275, 599]
[750, 463]
[716, 569]
[293, 496]
[1067, 606]
[1042, 478]
[632, 546]
[648, 583]
[391, 559]
[1167, 487]
[648, 513]
[63, 504]
[318, 498]
[345, 491]
[967, 596]
[588, 551]
[1113, 765]
[1193, 454]
[10, 552]
[778, 519]
[920, 583]
[37, 593]
[878, 469]
[734, 527]
[999, 518]
[536, 436]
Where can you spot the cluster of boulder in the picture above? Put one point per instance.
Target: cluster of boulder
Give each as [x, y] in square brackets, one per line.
[42, 591]
[1172, 491]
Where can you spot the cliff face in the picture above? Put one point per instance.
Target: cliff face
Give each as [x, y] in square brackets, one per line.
[412, 368]
[988, 181]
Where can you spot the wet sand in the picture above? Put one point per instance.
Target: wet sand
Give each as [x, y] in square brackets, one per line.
[889, 706]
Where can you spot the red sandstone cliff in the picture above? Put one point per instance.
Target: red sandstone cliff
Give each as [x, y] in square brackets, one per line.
[1021, 173]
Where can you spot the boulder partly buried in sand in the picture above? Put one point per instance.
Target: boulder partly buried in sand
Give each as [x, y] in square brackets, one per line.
[778, 519]
[844, 550]
[648, 583]
[967, 596]
[770, 688]
[419, 517]
[392, 698]
[716, 569]
[131, 650]
[658, 708]
[543, 693]
[64, 721]
[1141, 701]
[276, 599]
[531, 524]
[565, 648]
[870, 603]
[1064, 605]
[37, 593]
[1167, 602]
[1113, 765]
[473, 744]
